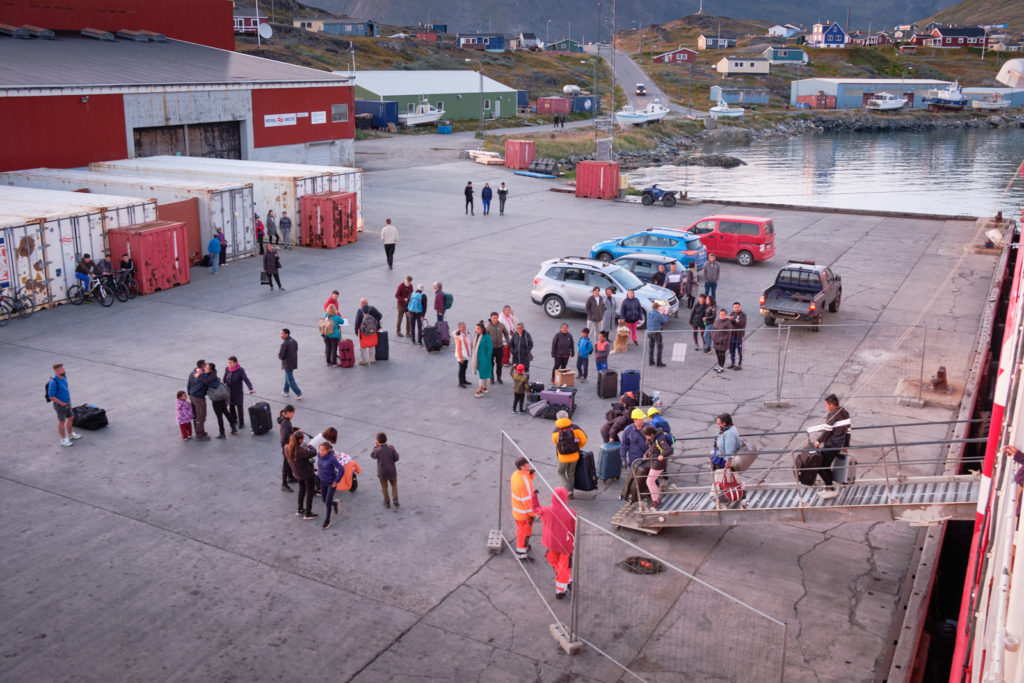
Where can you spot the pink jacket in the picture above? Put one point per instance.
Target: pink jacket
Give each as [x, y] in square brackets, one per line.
[184, 410]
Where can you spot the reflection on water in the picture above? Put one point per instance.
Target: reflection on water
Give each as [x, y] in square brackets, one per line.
[943, 171]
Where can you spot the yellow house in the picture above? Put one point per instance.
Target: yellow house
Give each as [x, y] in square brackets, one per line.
[728, 66]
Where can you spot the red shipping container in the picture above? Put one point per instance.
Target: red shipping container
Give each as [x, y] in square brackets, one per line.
[553, 105]
[160, 252]
[328, 219]
[519, 153]
[597, 179]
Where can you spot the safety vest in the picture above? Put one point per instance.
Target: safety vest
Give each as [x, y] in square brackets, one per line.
[522, 496]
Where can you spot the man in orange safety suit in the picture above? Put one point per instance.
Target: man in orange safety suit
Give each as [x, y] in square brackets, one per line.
[522, 507]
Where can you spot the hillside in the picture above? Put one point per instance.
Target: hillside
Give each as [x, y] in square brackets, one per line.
[983, 12]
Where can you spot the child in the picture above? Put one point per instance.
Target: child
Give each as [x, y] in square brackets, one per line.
[519, 387]
[185, 416]
[330, 473]
[601, 349]
[584, 347]
[386, 457]
[621, 337]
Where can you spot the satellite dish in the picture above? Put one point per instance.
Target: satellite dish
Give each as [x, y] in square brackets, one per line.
[265, 31]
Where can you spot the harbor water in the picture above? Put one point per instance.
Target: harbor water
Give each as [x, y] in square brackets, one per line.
[946, 171]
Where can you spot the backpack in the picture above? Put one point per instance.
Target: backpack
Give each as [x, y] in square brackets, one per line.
[325, 326]
[448, 300]
[46, 391]
[416, 302]
[368, 327]
[566, 444]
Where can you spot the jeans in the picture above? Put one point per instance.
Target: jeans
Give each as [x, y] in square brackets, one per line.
[223, 254]
[736, 349]
[389, 252]
[273, 237]
[469, 207]
[654, 339]
[84, 279]
[394, 489]
[331, 350]
[463, 364]
[307, 488]
[287, 234]
[327, 495]
[712, 289]
[496, 356]
[286, 470]
[274, 276]
[567, 472]
[501, 205]
[215, 259]
[582, 367]
[259, 239]
[827, 456]
[707, 337]
[289, 383]
[404, 316]
[440, 315]
[487, 206]
[416, 322]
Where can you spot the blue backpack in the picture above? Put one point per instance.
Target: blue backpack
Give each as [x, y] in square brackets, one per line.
[416, 302]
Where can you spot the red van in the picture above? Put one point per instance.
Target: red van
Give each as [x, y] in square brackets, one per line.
[743, 238]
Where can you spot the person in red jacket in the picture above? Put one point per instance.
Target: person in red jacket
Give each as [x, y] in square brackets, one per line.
[558, 536]
[333, 299]
[402, 295]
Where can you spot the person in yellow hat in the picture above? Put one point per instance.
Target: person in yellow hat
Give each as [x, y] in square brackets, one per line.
[655, 419]
[634, 445]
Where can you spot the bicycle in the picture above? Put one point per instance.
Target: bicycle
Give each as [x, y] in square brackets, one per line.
[77, 294]
[127, 278]
[115, 286]
[17, 303]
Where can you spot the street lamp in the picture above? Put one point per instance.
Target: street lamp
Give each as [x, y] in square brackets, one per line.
[547, 35]
[481, 94]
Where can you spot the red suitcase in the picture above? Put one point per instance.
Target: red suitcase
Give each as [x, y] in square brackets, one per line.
[346, 353]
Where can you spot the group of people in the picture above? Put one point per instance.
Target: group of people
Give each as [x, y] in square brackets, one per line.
[486, 195]
[86, 269]
[414, 305]
[226, 395]
[269, 230]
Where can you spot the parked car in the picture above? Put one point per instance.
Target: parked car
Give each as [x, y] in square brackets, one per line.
[646, 265]
[679, 244]
[563, 284]
[802, 291]
[743, 238]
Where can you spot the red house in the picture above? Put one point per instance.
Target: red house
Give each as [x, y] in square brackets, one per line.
[247, 20]
[682, 55]
[957, 37]
[427, 36]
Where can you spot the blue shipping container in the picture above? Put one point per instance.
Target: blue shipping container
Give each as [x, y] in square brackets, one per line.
[585, 104]
[522, 98]
[383, 112]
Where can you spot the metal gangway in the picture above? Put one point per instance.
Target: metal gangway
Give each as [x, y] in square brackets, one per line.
[912, 489]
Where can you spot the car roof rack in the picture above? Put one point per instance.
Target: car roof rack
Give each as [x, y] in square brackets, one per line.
[802, 262]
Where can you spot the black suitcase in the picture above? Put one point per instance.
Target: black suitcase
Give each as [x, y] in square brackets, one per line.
[586, 472]
[536, 387]
[442, 330]
[635, 482]
[259, 418]
[607, 384]
[381, 350]
[431, 339]
[88, 417]
[807, 465]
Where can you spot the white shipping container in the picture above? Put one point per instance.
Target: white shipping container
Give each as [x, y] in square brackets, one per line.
[45, 232]
[275, 185]
[225, 206]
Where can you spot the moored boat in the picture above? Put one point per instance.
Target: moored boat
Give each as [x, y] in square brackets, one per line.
[630, 115]
[950, 98]
[723, 111]
[992, 102]
[886, 101]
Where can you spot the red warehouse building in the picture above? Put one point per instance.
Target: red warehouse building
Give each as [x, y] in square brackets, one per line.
[74, 100]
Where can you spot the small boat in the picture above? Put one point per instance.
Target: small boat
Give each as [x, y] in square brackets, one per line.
[950, 98]
[991, 103]
[886, 101]
[723, 111]
[630, 115]
[424, 113]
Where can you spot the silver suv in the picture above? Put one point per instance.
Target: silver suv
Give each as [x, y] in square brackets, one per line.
[565, 283]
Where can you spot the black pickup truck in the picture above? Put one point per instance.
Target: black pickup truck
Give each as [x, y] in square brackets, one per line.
[802, 291]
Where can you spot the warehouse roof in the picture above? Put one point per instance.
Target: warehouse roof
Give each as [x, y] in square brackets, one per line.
[878, 81]
[396, 83]
[72, 61]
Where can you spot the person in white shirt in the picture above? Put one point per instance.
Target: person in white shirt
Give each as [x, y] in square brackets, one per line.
[389, 236]
[463, 352]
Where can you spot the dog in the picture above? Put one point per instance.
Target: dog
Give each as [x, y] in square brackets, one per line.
[621, 338]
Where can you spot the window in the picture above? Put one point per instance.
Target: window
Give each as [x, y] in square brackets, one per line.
[634, 241]
[769, 228]
[643, 269]
[487, 104]
[555, 273]
[626, 279]
[693, 244]
[339, 113]
[574, 275]
[703, 228]
[440, 105]
[659, 242]
[410, 107]
[598, 280]
[751, 65]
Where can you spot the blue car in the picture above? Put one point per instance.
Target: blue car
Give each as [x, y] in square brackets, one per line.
[678, 244]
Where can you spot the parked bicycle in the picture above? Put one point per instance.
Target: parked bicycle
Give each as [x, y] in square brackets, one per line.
[98, 289]
[127, 278]
[18, 303]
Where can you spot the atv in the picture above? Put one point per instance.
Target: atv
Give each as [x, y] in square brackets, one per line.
[654, 194]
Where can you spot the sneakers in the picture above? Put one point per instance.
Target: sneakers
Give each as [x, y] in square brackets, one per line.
[298, 397]
[76, 436]
[312, 515]
[326, 525]
[523, 557]
[661, 365]
[285, 394]
[221, 436]
[334, 504]
[203, 437]
[718, 369]
[732, 366]
[66, 442]
[300, 512]
[827, 493]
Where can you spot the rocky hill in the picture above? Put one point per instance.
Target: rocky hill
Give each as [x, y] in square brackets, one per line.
[984, 12]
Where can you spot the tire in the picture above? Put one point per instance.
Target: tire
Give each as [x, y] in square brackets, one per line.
[554, 306]
[5, 313]
[76, 295]
[133, 287]
[605, 257]
[26, 306]
[745, 258]
[834, 306]
[642, 323]
[105, 296]
[816, 324]
[770, 321]
[647, 199]
[120, 291]
[669, 200]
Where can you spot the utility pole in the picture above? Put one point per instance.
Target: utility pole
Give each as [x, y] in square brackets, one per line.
[352, 53]
[258, 43]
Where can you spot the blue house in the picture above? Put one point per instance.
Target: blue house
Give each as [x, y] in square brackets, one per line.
[828, 35]
[740, 95]
[490, 42]
[785, 55]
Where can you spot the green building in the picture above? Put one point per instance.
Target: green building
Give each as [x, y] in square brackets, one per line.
[457, 92]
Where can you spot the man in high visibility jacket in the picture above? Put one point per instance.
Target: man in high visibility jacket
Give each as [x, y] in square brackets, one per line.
[522, 506]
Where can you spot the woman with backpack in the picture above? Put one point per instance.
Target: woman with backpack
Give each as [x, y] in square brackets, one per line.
[367, 324]
[331, 324]
[482, 357]
[416, 309]
[219, 393]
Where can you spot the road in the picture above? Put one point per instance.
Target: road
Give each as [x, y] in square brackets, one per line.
[628, 73]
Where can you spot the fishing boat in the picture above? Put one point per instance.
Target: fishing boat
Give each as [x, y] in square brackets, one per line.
[424, 113]
[886, 101]
[630, 115]
[723, 111]
[950, 98]
[992, 102]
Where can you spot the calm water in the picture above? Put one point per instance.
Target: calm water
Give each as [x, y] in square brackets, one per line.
[947, 172]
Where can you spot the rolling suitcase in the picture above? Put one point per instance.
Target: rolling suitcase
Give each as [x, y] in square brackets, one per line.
[260, 420]
[562, 399]
[537, 386]
[607, 384]
[586, 473]
[442, 329]
[630, 381]
[807, 465]
[635, 482]
[346, 353]
[609, 462]
[88, 417]
[431, 339]
[380, 352]
[844, 469]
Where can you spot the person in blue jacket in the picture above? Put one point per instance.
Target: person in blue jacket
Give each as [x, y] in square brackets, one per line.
[655, 321]
[633, 443]
[584, 347]
[330, 472]
[213, 248]
[485, 197]
[655, 420]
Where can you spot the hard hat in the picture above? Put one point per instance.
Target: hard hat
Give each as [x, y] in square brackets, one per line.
[652, 412]
[637, 414]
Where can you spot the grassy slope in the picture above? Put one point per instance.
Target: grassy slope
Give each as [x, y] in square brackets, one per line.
[983, 12]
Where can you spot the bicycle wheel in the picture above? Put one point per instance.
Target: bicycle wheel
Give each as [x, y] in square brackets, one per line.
[119, 289]
[5, 313]
[133, 287]
[76, 295]
[105, 296]
[26, 305]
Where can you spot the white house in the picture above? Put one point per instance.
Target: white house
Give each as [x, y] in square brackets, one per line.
[714, 42]
[784, 31]
[728, 66]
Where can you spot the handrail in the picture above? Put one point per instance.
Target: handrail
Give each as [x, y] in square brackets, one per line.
[858, 428]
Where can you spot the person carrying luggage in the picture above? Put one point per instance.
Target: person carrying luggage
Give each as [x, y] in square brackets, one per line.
[726, 443]
[558, 535]
[569, 440]
[522, 506]
[659, 448]
[836, 436]
[367, 324]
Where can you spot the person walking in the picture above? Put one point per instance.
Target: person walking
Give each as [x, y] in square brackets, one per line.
[584, 347]
[219, 393]
[223, 246]
[558, 534]
[655, 321]
[562, 349]
[727, 442]
[711, 272]
[485, 198]
[469, 198]
[402, 294]
[285, 427]
[330, 472]
[332, 338]
[260, 232]
[183, 413]
[659, 448]
[483, 358]
[837, 437]
[286, 229]
[721, 334]
[300, 458]
[367, 323]
[520, 346]
[416, 309]
[522, 506]
[690, 285]
[235, 377]
[697, 320]
[569, 440]
[739, 329]
[387, 472]
[389, 237]
[273, 237]
[289, 356]
[608, 321]
[213, 248]
[499, 339]
[502, 196]
[595, 309]
[463, 352]
[197, 385]
[631, 312]
[271, 264]
[439, 301]
[59, 394]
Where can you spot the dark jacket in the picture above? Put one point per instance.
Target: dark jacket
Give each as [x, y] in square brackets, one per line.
[289, 354]
[619, 424]
[520, 346]
[286, 429]
[502, 194]
[658, 279]
[711, 271]
[634, 445]
[710, 315]
[270, 261]
[658, 449]
[386, 457]
[197, 386]
[697, 315]
[739, 324]
[285, 223]
[439, 301]
[235, 379]
[367, 310]
[329, 469]
[839, 437]
[720, 333]
[302, 465]
[595, 310]
[498, 334]
[485, 193]
[562, 345]
[631, 310]
[469, 193]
